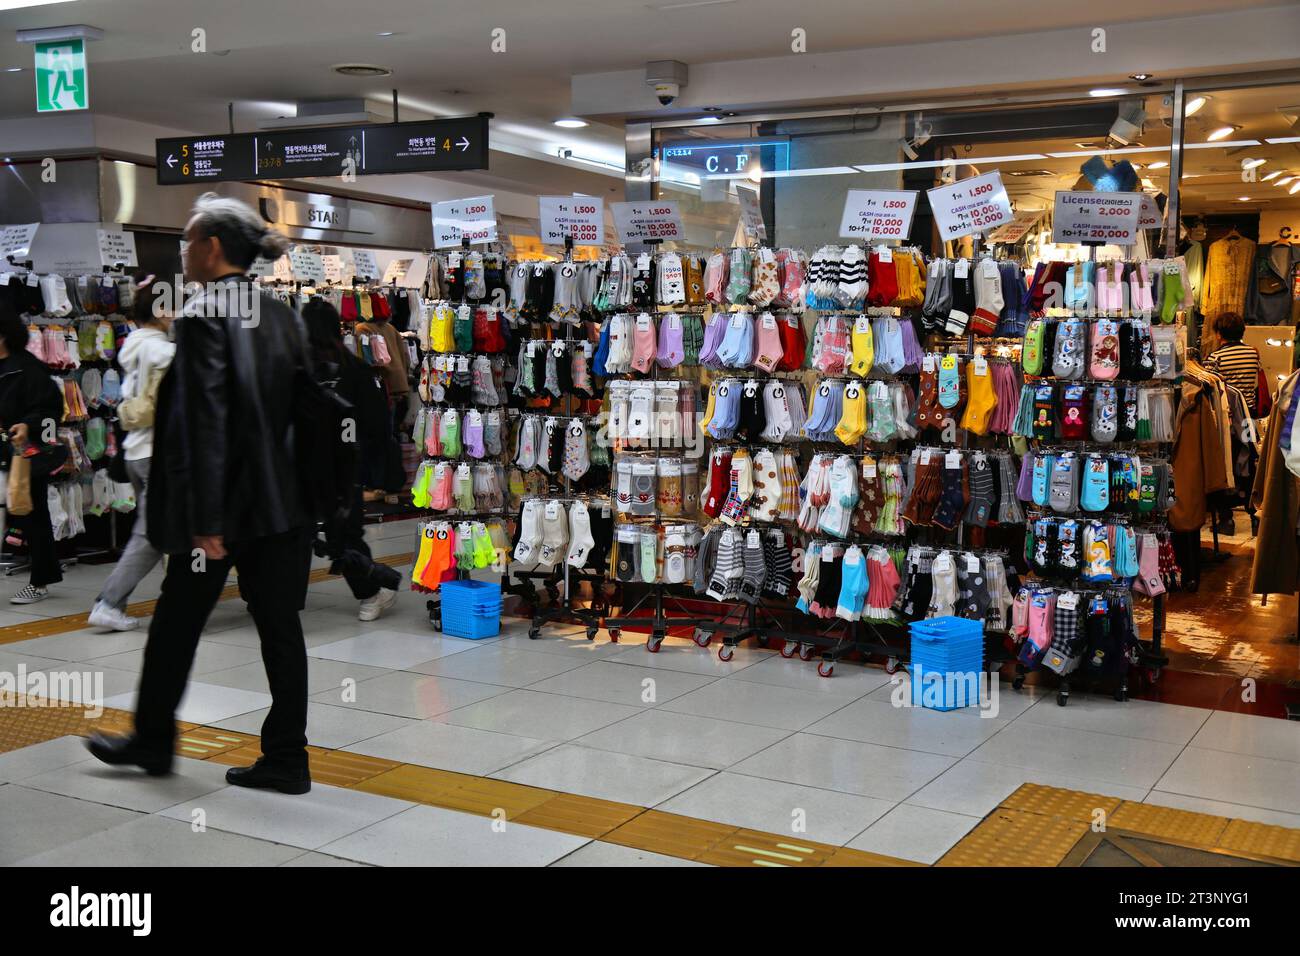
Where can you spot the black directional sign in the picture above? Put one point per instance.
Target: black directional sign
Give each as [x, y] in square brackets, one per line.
[443, 145]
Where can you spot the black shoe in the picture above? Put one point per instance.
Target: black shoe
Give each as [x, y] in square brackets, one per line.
[127, 751]
[262, 777]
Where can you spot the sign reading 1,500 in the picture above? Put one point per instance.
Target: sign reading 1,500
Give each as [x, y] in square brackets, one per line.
[980, 190]
[656, 211]
[895, 204]
[478, 209]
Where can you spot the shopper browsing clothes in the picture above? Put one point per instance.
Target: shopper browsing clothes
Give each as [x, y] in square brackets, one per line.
[1240, 366]
[31, 406]
[374, 585]
[145, 358]
[226, 490]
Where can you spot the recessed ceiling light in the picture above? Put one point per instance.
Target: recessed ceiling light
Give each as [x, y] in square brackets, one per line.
[1107, 91]
[1194, 104]
[1253, 163]
[1273, 175]
[1158, 164]
[1223, 132]
[361, 69]
[1294, 189]
[14, 69]
[1284, 180]
[712, 109]
[1139, 76]
[386, 33]
[570, 122]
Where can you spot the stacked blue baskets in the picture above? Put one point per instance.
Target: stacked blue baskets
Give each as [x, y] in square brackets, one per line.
[471, 609]
[947, 662]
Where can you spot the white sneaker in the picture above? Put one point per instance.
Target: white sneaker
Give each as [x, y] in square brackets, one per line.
[30, 594]
[371, 608]
[104, 615]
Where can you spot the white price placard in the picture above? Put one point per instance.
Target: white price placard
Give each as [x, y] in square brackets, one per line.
[974, 205]
[262, 268]
[878, 214]
[17, 241]
[396, 270]
[364, 265]
[640, 221]
[581, 218]
[751, 213]
[307, 266]
[333, 268]
[473, 220]
[1149, 215]
[1094, 217]
[1017, 228]
[116, 248]
[418, 268]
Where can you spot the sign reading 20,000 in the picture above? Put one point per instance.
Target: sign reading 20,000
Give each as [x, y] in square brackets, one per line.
[423, 146]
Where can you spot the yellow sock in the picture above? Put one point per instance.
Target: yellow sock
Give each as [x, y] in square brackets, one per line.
[853, 414]
[980, 401]
[708, 411]
[864, 349]
[426, 552]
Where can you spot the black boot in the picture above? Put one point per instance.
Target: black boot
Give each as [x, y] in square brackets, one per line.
[264, 777]
[127, 751]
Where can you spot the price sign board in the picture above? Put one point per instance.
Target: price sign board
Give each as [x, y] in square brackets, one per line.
[751, 213]
[306, 266]
[116, 248]
[1017, 228]
[878, 214]
[1093, 217]
[364, 264]
[17, 241]
[472, 219]
[581, 218]
[640, 221]
[971, 206]
[1149, 215]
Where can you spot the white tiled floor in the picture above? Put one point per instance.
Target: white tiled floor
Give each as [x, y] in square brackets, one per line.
[757, 742]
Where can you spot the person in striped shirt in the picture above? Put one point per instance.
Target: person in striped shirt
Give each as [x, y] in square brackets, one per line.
[1237, 362]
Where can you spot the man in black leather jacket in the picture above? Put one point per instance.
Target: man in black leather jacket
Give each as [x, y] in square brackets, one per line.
[226, 490]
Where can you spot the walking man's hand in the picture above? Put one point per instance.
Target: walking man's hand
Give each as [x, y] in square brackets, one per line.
[212, 545]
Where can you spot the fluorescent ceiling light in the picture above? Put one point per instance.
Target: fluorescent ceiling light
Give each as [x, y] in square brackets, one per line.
[1109, 91]
[570, 122]
[1284, 180]
[1194, 105]
[1294, 189]
[1123, 150]
[937, 163]
[1273, 175]
[1223, 132]
[1278, 140]
[19, 4]
[1253, 163]
[687, 4]
[1158, 164]
[1223, 144]
[1243, 199]
[14, 69]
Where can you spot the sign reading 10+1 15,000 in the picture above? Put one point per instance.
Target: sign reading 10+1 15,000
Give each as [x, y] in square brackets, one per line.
[423, 146]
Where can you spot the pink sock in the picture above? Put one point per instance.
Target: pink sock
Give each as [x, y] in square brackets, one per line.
[644, 343]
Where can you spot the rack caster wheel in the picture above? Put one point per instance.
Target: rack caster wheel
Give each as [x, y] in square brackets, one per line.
[1121, 695]
[825, 669]
[592, 632]
[1062, 699]
[614, 634]
[654, 642]
[726, 652]
[891, 665]
[702, 637]
[806, 652]
[1018, 683]
[762, 642]
[533, 633]
[789, 649]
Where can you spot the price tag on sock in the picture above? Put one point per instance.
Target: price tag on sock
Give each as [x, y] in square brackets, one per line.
[961, 269]
[885, 253]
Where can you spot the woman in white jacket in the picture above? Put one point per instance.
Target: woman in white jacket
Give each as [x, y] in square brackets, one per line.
[145, 355]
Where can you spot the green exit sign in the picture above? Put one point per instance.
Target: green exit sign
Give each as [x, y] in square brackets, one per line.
[62, 80]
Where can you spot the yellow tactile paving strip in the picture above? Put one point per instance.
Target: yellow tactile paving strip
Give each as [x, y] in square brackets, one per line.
[67, 623]
[1034, 826]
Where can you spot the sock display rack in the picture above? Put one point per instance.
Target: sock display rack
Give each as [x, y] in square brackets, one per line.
[75, 324]
[886, 437]
[560, 481]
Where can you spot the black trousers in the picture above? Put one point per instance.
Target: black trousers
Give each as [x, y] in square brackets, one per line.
[273, 575]
[36, 526]
[351, 557]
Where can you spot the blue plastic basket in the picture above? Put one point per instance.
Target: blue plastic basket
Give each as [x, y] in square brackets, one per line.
[951, 648]
[471, 609]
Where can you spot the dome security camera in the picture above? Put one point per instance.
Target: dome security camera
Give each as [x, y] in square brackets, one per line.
[666, 77]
